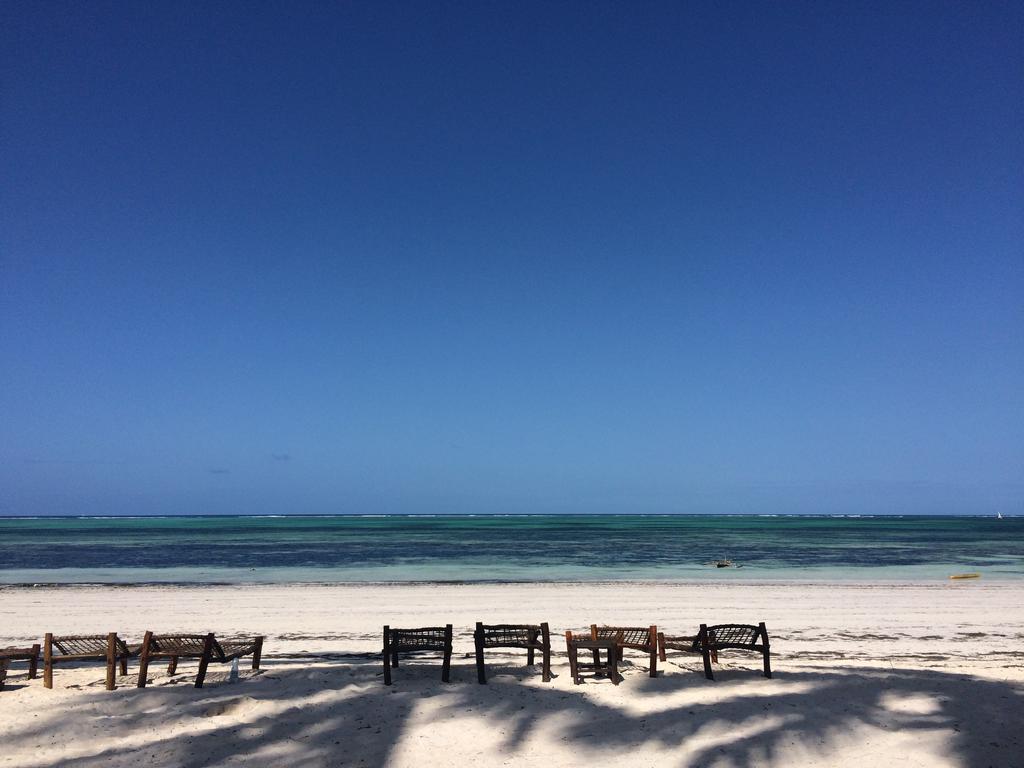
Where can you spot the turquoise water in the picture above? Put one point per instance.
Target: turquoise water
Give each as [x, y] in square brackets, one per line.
[504, 548]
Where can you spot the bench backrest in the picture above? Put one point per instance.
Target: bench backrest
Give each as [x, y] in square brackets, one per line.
[419, 639]
[721, 636]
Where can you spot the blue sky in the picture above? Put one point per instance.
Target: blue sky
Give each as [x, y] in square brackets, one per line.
[477, 257]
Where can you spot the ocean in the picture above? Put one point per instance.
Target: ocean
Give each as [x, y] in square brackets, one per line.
[510, 548]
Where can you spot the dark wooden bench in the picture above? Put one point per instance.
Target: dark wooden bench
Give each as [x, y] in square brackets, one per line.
[207, 648]
[7, 655]
[532, 637]
[638, 638]
[414, 640]
[744, 637]
[66, 648]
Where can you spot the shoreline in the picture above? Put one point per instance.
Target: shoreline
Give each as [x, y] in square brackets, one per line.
[506, 514]
[762, 582]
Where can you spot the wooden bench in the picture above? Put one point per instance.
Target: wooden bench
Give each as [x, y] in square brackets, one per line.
[586, 642]
[638, 638]
[532, 637]
[207, 648]
[7, 655]
[745, 637]
[414, 640]
[61, 649]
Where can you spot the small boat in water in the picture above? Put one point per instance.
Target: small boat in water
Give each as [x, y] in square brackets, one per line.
[725, 563]
[966, 576]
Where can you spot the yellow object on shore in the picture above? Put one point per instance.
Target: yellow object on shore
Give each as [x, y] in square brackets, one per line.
[966, 576]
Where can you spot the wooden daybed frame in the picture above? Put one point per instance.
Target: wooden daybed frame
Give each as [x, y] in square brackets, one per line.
[207, 648]
[532, 637]
[414, 640]
[60, 649]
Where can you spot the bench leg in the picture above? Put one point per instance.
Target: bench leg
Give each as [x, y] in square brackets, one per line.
[111, 661]
[257, 652]
[204, 661]
[707, 664]
[172, 665]
[48, 660]
[613, 668]
[144, 659]
[446, 665]
[3, 671]
[704, 642]
[653, 635]
[386, 655]
[33, 663]
[478, 641]
[570, 650]
[545, 635]
[766, 652]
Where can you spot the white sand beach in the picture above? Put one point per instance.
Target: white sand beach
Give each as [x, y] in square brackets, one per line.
[866, 674]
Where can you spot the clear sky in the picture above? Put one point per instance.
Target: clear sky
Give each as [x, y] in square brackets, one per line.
[486, 258]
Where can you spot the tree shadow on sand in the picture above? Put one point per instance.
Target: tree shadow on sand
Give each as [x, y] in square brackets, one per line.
[340, 714]
[812, 709]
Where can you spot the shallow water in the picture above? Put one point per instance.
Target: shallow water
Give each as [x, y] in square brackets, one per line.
[504, 548]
